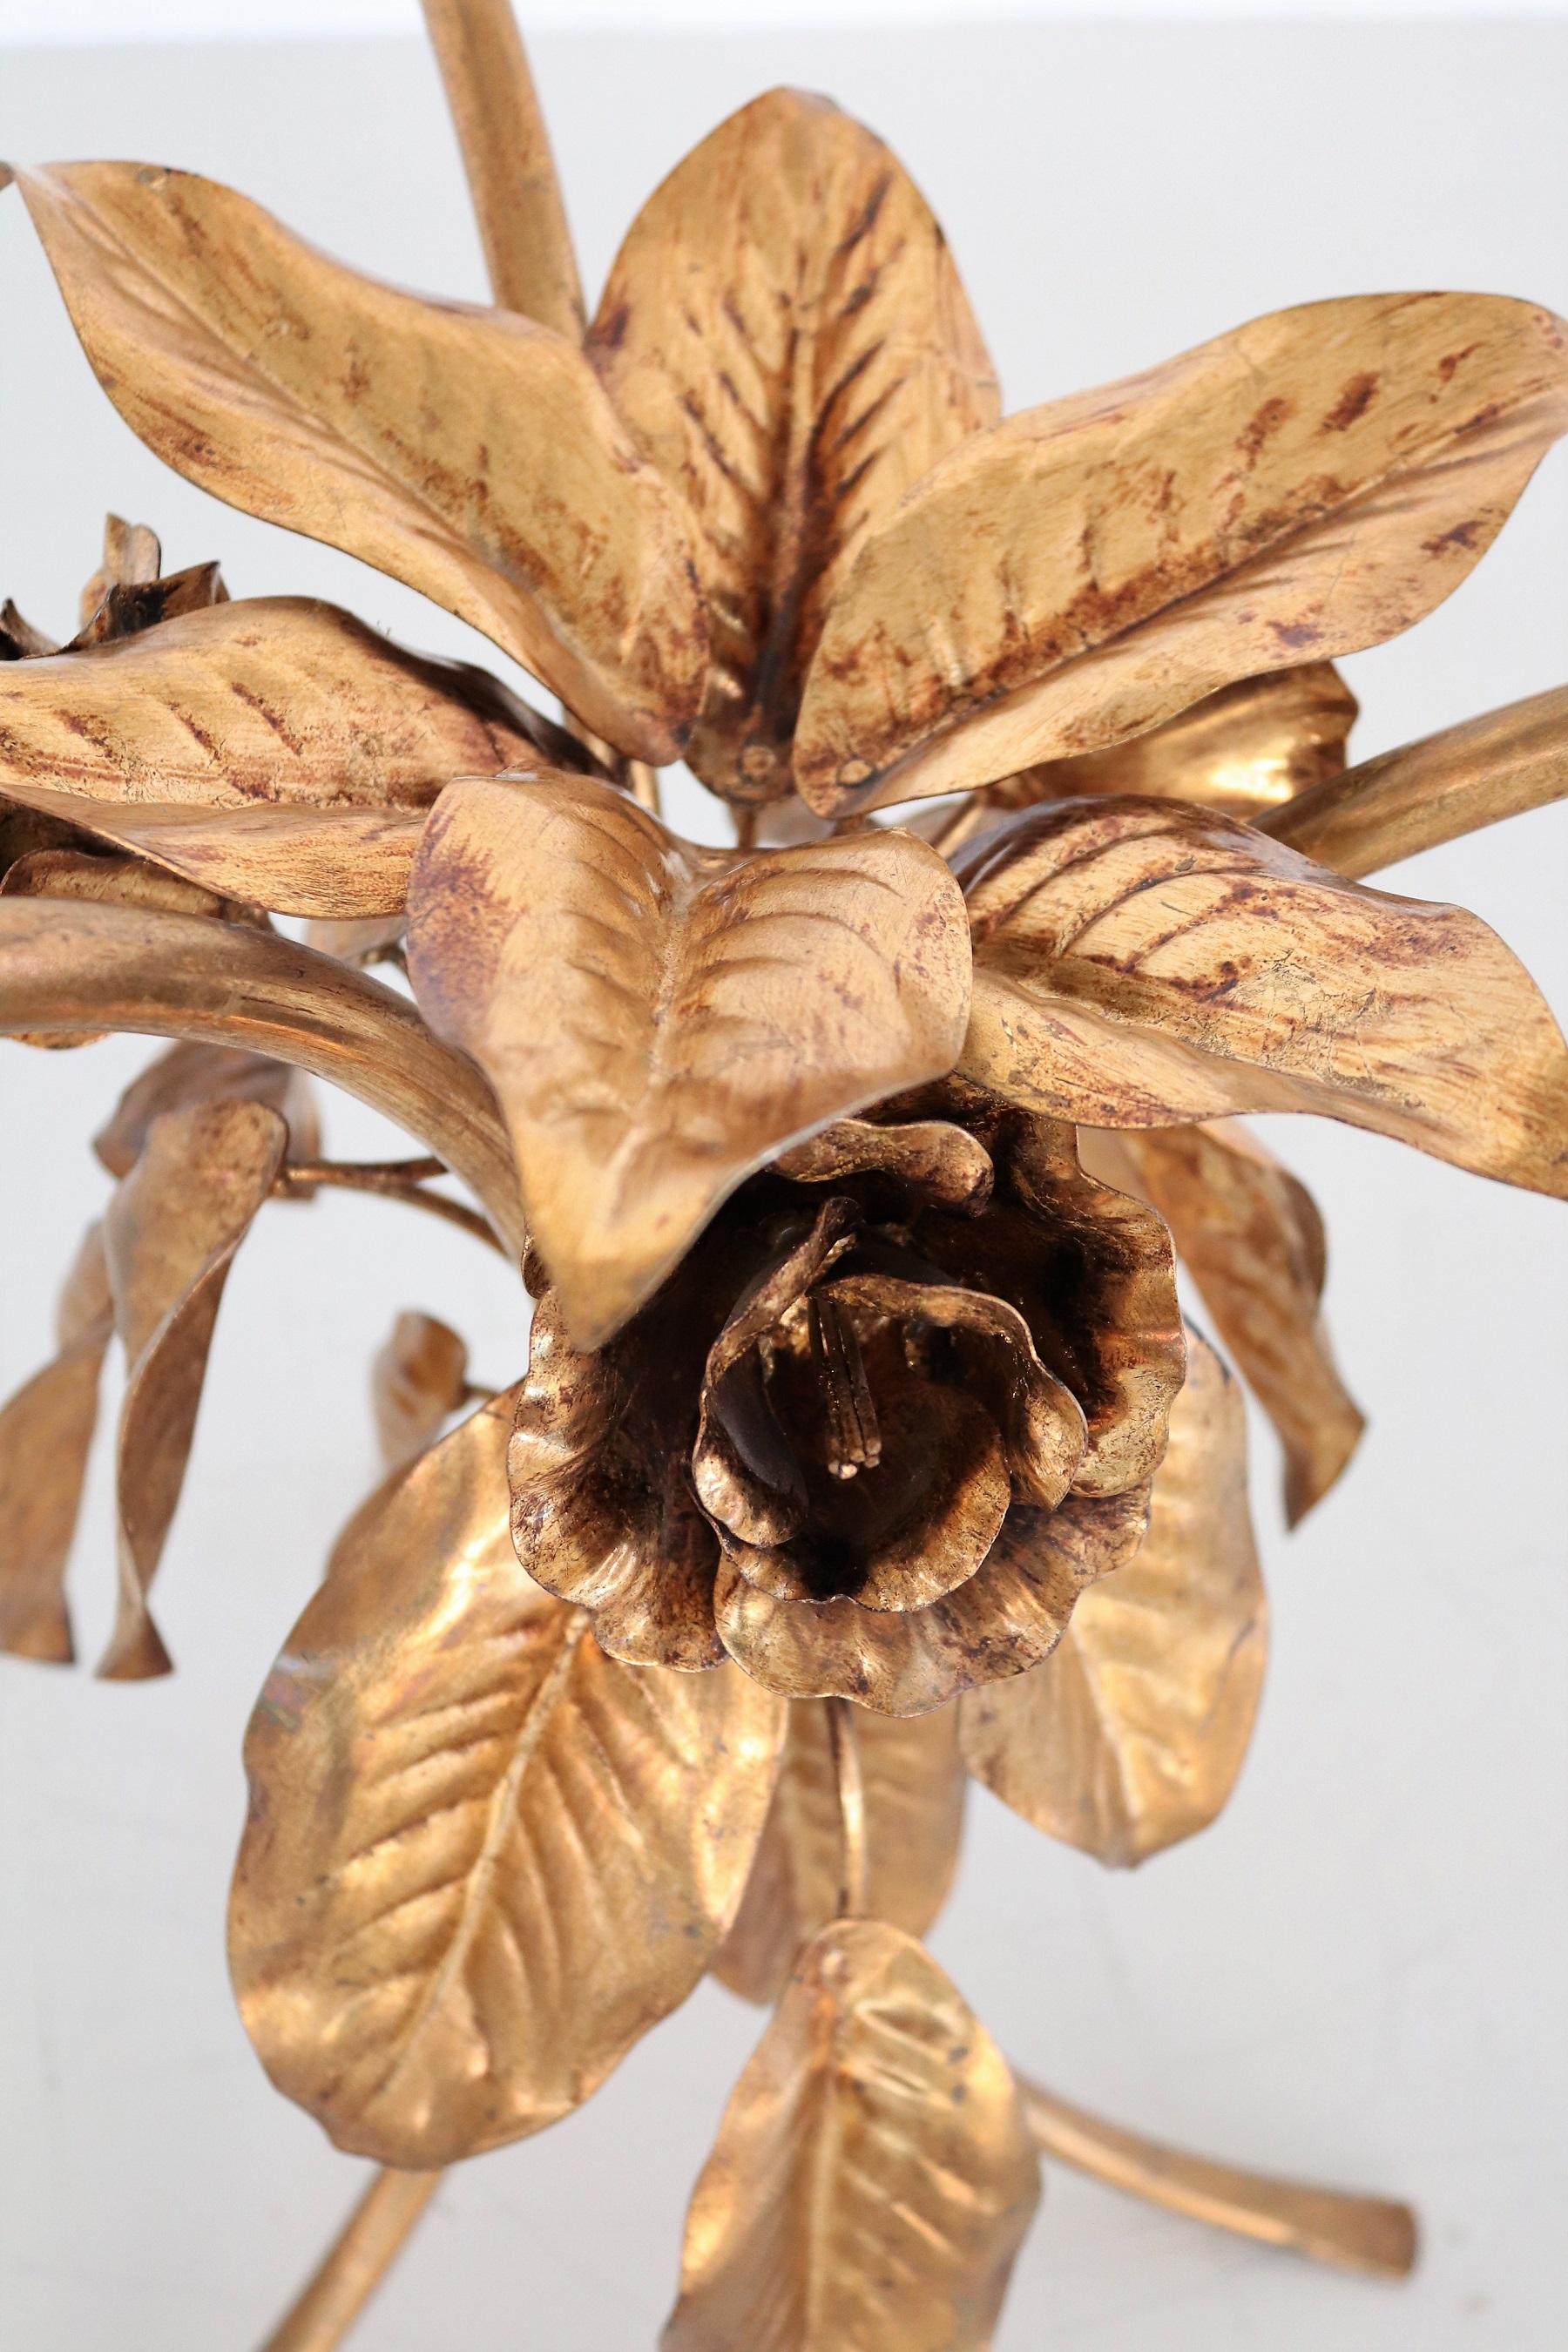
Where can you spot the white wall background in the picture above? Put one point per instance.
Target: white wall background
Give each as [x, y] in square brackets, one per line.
[1358, 1973]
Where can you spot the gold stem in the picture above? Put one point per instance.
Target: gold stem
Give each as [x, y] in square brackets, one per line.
[846, 1772]
[354, 2264]
[643, 782]
[1374, 2235]
[394, 1180]
[744, 817]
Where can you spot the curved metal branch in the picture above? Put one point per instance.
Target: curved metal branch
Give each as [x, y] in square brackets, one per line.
[393, 1180]
[67, 966]
[1374, 2235]
[354, 2264]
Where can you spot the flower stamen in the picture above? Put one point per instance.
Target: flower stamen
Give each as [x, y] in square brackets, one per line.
[854, 1433]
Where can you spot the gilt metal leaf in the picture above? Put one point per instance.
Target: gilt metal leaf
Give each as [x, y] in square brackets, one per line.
[419, 1376]
[482, 1858]
[1251, 1235]
[658, 1021]
[1141, 964]
[1313, 483]
[873, 2178]
[1131, 1734]
[46, 1432]
[785, 334]
[170, 1235]
[273, 748]
[469, 453]
[913, 1779]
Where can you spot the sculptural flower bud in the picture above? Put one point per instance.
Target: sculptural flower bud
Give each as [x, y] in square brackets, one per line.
[901, 1402]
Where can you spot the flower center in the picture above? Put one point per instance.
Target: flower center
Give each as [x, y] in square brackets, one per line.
[854, 1436]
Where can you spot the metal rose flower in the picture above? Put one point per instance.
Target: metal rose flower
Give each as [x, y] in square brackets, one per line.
[898, 1403]
[839, 1159]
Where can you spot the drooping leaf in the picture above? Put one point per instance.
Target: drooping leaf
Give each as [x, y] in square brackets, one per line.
[190, 1074]
[914, 1784]
[1248, 748]
[46, 1431]
[170, 1235]
[469, 453]
[785, 334]
[1251, 1235]
[873, 2176]
[482, 1858]
[657, 1020]
[419, 1376]
[506, 153]
[273, 748]
[1131, 1734]
[1434, 790]
[1313, 483]
[69, 967]
[1141, 964]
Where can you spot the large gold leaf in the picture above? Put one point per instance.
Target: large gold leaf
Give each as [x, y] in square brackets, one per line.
[1313, 483]
[873, 2176]
[1500, 765]
[67, 967]
[1140, 964]
[1249, 748]
[419, 1376]
[1131, 1734]
[482, 1858]
[46, 1431]
[273, 748]
[506, 153]
[785, 334]
[1252, 1236]
[469, 453]
[913, 1781]
[169, 1235]
[659, 1021]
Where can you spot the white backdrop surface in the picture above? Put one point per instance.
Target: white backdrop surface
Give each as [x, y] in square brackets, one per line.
[1357, 1975]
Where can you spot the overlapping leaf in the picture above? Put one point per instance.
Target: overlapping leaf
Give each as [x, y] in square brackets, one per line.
[273, 748]
[1131, 1734]
[469, 453]
[1252, 747]
[873, 2176]
[1251, 1235]
[46, 1431]
[657, 1020]
[785, 334]
[169, 1235]
[482, 1858]
[67, 967]
[913, 1781]
[1314, 482]
[1141, 964]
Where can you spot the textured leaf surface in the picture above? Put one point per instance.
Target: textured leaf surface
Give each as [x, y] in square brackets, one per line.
[1313, 483]
[482, 1858]
[169, 1235]
[469, 453]
[1139, 964]
[915, 1782]
[658, 1021]
[1131, 1734]
[419, 1376]
[873, 2178]
[1252, 1237]
[785, 334]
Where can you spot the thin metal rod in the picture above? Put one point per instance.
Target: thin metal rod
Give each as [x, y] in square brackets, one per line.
[643, 784]
[354, 2264]
[1374, 2235]
[846, 1745]
[394, 1179]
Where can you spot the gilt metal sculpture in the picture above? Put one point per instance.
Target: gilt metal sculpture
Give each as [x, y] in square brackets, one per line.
[860, 1444]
